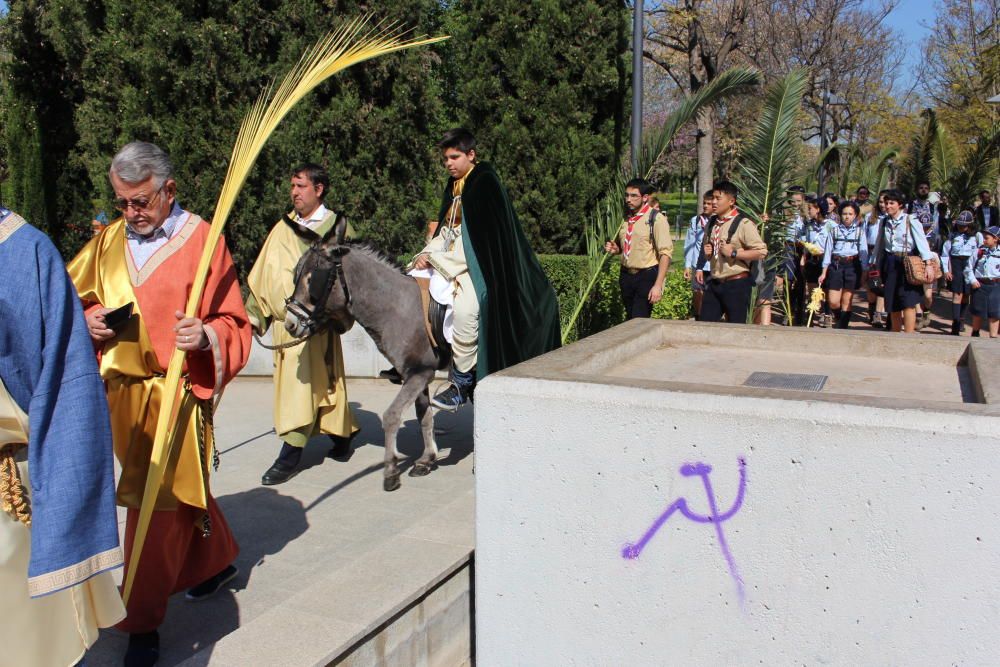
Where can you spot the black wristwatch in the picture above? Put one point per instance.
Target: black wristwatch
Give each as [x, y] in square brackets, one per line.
[733, 253]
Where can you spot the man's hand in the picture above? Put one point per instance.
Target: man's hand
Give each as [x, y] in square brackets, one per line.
[687, 273]
[99, 331]
[612, 248]
[948, 276]
[190, 333]
[779, 283]
[699, 275]
[975, 285]
[656, 293]
[822, 277]
[708, 250]
[421, 262]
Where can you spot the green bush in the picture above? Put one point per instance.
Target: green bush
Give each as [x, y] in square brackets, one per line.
[604, 307]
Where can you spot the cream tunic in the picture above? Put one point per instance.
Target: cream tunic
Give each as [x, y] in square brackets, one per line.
[56, 629]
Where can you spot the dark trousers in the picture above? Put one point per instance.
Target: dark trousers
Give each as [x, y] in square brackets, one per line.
[635, 291]
[730, 298]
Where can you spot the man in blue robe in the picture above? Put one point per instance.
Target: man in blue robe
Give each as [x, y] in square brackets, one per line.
[58, 527]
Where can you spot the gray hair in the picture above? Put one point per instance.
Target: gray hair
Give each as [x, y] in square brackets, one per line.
[139, 160]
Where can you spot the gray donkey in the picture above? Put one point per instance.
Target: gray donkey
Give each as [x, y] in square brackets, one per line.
[337, 283]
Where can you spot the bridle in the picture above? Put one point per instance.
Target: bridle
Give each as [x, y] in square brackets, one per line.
[321, 284]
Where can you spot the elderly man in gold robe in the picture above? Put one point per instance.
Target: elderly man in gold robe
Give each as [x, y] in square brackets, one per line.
[310, 392]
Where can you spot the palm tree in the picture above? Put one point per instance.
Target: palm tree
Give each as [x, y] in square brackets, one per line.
[975, 172]
[766, 164]
[920, 158]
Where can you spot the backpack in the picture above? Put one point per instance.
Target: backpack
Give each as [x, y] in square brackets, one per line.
[757, 272]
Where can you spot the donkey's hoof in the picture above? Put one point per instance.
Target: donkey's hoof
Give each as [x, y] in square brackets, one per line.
[391, 483]
[421, 469]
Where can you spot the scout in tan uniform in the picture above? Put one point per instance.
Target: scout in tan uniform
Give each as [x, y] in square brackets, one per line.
[310, 392]
[728, 254]
[645, 246]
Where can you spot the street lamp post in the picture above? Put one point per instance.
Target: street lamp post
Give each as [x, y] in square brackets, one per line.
[828, 99]
[637, 36]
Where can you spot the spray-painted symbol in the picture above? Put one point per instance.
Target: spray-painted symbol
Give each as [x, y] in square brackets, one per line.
[703, 470]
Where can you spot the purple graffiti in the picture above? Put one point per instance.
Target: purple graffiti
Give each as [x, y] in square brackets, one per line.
[703, 470]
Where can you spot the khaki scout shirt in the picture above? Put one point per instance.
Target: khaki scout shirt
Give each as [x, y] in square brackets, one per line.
[643, 254]
[745, 238]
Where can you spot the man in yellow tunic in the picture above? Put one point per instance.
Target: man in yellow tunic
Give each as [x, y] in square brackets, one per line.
[310, 393]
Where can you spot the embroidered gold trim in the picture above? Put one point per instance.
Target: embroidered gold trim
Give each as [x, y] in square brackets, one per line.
[139, 276]
[9, 225]
[74, 574]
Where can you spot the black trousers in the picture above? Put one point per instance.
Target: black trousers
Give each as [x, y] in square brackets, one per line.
[635, 292]
[730, 298]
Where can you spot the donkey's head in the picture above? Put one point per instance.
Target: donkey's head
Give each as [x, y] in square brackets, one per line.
[321, 296]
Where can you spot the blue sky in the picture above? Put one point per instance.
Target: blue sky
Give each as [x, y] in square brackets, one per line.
[909, 18]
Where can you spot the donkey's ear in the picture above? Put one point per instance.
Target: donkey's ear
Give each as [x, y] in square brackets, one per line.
[340, 226]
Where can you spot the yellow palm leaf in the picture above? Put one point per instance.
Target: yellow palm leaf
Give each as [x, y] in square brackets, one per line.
[359, 40]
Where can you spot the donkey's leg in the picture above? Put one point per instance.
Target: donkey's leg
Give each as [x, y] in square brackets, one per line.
[426, 463]
[391, 420]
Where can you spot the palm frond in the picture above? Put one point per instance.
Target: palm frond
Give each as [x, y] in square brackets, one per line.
[357, 41]
[942, 157]
[603, 224]
[873, 173]
[976, 172]
[920, 157]
[657, 141]
[765, 166]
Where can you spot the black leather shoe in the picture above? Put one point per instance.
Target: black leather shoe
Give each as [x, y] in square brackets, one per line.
[143, 649]
[213, 585]
[278, 473]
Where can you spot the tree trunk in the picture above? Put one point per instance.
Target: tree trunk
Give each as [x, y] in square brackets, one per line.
[706, 151]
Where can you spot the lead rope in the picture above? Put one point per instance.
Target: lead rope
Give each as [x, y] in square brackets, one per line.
[283, 346]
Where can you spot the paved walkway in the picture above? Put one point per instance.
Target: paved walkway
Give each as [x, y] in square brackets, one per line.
[940, 315]
[324, 553]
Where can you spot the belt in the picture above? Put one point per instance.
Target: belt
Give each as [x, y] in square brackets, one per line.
[738, 276]
[987, 281]
[844, 258]
[635, 271]
[901, 254]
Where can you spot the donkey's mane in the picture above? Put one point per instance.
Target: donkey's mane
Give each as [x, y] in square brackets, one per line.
[376, 254]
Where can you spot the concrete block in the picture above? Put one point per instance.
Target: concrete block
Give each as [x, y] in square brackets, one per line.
[662, 513]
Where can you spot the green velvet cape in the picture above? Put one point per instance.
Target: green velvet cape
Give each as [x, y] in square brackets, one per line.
[518, 311]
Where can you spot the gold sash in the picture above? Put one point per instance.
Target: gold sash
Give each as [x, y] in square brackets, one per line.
[13, 437]
[135, 380]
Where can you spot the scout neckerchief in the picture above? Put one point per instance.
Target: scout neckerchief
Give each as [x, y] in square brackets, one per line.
[717, 229]
[629, 227]
[984, 256]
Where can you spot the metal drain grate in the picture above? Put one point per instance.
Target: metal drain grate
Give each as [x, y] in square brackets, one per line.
[797, 381]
